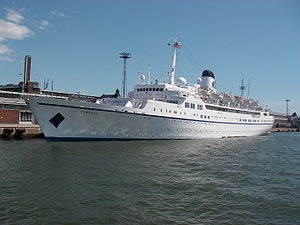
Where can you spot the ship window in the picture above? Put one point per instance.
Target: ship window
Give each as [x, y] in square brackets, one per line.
[200, 107]
[187, 105]
[144, 89]
[157, 89]
[175, 112]
[150, 89]
[204, 117]
[208, 117]
[154, 109]
[161, 89]
[201, 116]
[192, 105]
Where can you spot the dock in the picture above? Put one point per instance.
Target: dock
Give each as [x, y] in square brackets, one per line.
[20, 131]
[285, 129]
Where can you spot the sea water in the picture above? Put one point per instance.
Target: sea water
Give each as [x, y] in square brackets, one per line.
[252, 180]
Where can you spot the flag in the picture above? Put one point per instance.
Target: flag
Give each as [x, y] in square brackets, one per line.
[177, 45]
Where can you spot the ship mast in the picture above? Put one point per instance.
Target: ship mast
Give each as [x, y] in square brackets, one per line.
[173, 66]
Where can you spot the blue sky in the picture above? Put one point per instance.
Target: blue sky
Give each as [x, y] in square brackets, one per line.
[77, 43]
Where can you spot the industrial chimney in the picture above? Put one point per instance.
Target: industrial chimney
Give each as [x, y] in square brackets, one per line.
[27, 67]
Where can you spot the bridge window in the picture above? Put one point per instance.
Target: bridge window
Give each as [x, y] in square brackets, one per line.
[187, 105]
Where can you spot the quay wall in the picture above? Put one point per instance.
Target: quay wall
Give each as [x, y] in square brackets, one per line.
[19, 131]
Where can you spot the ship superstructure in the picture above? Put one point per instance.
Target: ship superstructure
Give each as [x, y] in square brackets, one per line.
[172, 110]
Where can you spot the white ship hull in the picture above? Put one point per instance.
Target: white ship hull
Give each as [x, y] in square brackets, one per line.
[90, 121]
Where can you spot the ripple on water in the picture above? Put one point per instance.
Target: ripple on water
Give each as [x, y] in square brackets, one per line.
[220, 181]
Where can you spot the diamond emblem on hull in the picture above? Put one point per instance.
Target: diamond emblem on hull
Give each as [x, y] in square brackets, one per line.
[57, 119]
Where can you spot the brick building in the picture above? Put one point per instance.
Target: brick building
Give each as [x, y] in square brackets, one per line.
[14, 110]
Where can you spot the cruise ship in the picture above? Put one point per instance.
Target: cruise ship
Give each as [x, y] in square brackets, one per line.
[158, 110]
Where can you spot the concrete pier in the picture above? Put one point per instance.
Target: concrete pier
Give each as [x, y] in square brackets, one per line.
[19, 131]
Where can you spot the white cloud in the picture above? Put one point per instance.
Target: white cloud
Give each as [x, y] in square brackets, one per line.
[9, 30]
[14, 16]
[5, 50]
[6, 58]
[43, 24]
[55, 13]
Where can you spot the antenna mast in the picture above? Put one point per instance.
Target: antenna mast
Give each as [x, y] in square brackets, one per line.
[242, 88]
[125, 56]
[173, 67]
[248, 88]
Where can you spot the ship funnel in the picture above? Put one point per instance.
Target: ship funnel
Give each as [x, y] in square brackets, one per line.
[208, 80]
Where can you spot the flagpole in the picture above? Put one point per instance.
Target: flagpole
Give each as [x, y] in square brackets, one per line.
[173, 67]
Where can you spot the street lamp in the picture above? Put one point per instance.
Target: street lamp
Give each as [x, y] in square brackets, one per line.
[287, 107]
